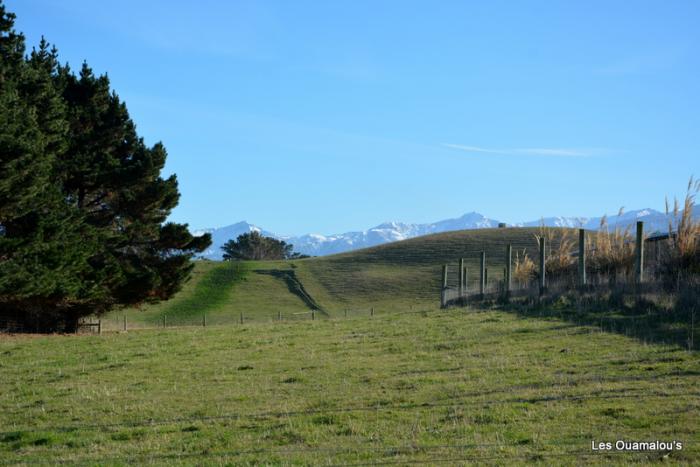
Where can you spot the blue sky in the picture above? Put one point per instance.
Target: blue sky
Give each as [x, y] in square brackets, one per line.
[314, 116]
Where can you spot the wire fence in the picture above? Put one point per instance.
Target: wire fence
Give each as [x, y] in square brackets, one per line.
[121, 322]
[125, 322]
[609, 264]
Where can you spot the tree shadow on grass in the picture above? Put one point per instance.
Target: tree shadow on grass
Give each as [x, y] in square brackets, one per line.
[294, 286]
[639, 318]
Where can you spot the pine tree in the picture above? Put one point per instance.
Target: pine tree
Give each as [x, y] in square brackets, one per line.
[42, 250]
[113, 178]
[83, 207]
[22, 174]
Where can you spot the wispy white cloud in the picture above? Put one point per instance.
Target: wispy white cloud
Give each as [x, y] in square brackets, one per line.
[471, 148]
[562, 152]
[548, 152]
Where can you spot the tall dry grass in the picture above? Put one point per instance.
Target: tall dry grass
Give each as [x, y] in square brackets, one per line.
[524, 271]
[671, 283]
[682, 259]
[611, 253]
[559, 246]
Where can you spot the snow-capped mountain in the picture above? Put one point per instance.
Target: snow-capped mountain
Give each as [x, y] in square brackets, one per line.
[654, 221]
[320, 245]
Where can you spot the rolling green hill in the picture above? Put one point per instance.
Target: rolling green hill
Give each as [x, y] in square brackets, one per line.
[393, 277]
[422, 386]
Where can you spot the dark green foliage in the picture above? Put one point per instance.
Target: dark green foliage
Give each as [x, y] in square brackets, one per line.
[113, 179]
[42, 246]
[83, 207]
[254, 246]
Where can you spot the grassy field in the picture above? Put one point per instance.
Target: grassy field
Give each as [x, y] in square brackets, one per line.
[222, 291]
[411, 384]
[398, 276]
[430, 387]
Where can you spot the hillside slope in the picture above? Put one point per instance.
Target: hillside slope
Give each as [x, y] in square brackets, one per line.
[405, 273]
[392, 277]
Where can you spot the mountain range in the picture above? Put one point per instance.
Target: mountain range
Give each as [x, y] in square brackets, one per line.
[320, 245]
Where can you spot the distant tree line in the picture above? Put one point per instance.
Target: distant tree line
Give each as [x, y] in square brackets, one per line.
[255, 246]
[83, 206]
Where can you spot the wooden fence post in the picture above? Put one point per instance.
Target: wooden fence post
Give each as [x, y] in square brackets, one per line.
[124, 322]
[639, 256]
[482, 275]
[509, 270]
[466, 282]
[279, 316]
[99, 327]
[346, 312]
[313, 315]
[443, 292]
[165, 320]
[543, 258]
[371, 312]
[204, 320]
[582, 257]
[461, 277]
[241, 317]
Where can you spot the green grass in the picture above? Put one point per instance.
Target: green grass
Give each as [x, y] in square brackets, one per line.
[209, 293]
[401, 274]
[410, 385]
[457, 386]
[397, 276]
[221, 291]
[393, 277]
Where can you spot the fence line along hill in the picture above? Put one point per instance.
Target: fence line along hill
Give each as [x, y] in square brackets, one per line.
[393, 277]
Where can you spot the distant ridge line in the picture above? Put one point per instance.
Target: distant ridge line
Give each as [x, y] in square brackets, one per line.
[387, 232]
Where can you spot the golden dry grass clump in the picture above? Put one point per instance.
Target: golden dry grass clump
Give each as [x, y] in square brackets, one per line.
[523, 268]
[611, 253]
[683, 254]
[559, 246]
